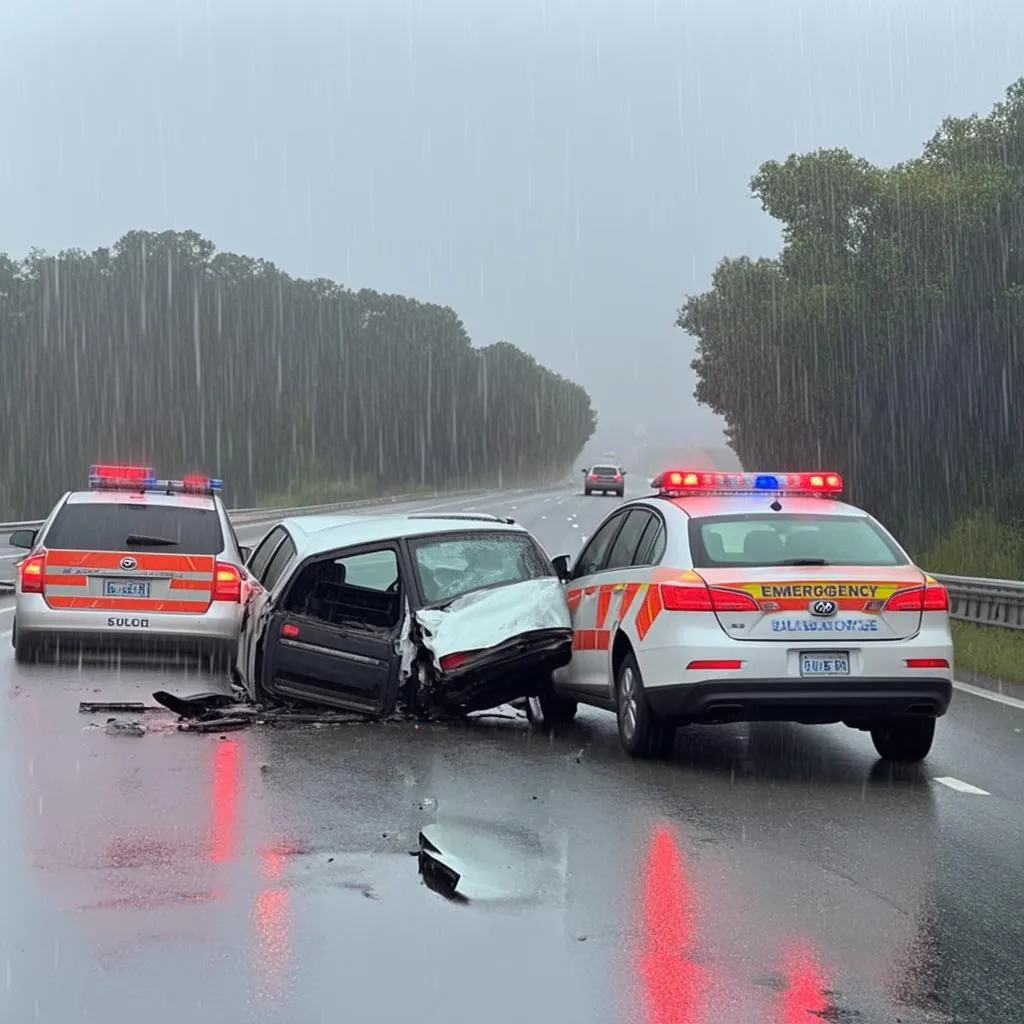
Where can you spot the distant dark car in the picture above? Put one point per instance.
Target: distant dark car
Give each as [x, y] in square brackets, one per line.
[457, 613]
[606, 479]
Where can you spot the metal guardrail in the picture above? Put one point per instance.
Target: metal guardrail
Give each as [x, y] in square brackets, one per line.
[985, 602]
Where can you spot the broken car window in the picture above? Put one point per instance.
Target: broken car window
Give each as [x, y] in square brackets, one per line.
[350, 591]
[451, 566]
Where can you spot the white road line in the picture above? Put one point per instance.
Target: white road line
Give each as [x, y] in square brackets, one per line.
[999, 698]
[961, 787]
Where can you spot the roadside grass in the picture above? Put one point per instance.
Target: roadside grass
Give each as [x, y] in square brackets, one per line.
[989, 651]
[982, 546]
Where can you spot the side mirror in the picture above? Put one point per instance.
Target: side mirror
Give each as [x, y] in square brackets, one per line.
[585, 470]
[560, 563]
[246, 553]
[25, 539]
[622, 471]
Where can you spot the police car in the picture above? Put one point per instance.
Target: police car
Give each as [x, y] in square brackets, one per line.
[735, 597]
[134, 562]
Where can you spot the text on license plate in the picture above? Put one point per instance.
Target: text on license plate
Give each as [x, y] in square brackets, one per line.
[825, 663]
[125, 588]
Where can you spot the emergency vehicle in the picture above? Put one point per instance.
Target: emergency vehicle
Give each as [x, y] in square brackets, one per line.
[738, 597]
[144, 565]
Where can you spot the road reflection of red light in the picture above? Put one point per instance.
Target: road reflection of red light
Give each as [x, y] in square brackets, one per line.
[804, 999]
[673, 985]
[225, 801]
[271, 918]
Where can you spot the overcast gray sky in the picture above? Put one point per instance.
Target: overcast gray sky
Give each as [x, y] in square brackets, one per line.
[562, 173]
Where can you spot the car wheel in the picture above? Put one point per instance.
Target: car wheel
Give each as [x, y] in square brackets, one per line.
[546, 710]
[904, 739]
[641, 732]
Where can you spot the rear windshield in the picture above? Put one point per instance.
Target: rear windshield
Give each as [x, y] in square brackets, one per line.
[764, 540]
[605, 470]
[103, 527]
[448, 567]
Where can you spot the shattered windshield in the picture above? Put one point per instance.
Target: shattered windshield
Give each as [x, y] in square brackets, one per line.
[450, 567]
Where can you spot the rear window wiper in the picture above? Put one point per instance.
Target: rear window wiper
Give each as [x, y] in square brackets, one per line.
[803, 561]
[140, 539]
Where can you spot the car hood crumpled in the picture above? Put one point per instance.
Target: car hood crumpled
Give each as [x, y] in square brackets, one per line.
[487, 618]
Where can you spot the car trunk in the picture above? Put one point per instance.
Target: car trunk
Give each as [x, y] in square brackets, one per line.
[129, 581]
[813, 603]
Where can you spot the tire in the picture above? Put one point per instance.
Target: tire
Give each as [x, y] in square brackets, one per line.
[548, 711]
[586, 492]
[641, 733]
[904, 739]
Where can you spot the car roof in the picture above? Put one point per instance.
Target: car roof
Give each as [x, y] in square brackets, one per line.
[743, 505]
[326, 532]
[198, 501]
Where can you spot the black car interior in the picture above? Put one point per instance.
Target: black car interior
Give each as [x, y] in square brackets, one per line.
[322, 592]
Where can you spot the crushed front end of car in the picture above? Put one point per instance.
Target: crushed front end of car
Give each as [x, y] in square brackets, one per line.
[489, 647]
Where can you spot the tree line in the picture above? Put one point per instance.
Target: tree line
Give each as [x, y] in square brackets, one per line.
[161, 349]
[885, 339]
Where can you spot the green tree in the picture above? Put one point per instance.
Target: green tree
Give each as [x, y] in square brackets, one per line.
[885, 339]
[163, 350]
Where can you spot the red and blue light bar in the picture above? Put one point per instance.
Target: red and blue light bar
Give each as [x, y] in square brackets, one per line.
[676, 482]
[143, 478]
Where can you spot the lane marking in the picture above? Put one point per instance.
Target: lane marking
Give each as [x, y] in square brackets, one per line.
[961, 786]
[999, 698]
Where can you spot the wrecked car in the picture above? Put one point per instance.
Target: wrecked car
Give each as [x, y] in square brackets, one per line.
[415, 613]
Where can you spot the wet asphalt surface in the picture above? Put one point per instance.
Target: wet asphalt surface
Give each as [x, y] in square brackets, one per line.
[765, 874]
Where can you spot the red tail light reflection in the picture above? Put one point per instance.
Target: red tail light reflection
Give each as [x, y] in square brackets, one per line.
[272, 918]
[674, 986]
[225, 801]
[804, 1001]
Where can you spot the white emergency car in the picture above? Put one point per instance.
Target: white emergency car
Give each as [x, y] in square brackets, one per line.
[737, 597]
[138, 564]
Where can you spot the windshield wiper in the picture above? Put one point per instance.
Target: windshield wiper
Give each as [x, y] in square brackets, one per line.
[140, 539]
[803, 561]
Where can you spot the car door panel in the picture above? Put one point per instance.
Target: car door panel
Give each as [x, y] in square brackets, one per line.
[584, 672]
[331, 635]
[313, 660]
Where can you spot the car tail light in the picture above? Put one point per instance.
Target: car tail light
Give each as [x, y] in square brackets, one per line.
[451, 662]
[689, 597]
[685, 597]
[593, 476]
[927, 663]
[712, 664]
[289, 630]
[32, 573]
[931, 598]
[227, 583]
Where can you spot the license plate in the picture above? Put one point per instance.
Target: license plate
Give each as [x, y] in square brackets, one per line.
[125, 588]
[824, 663]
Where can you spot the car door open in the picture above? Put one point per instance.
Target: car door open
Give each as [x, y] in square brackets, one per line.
[332, 637]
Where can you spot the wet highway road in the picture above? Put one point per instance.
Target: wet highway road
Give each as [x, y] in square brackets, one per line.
[767, 874]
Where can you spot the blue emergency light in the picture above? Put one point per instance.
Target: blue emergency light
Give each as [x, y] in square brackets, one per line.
[675, 482]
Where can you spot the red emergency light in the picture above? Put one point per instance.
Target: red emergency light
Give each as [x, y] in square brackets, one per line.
[675, 482]
[135, 477]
